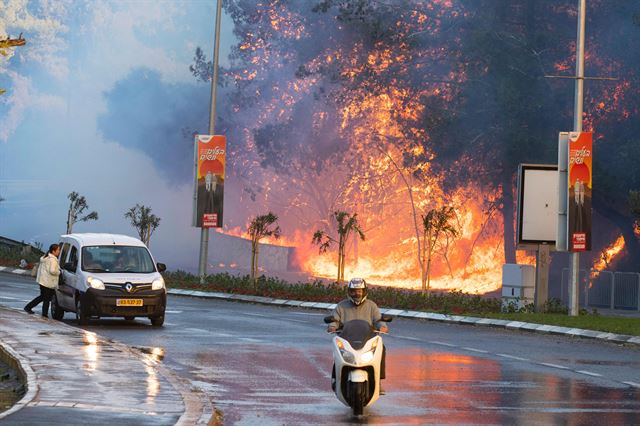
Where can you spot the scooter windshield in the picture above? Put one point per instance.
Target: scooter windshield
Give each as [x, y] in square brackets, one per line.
[357, 333]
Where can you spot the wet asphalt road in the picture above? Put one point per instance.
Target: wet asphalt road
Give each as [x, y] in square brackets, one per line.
[269, 365]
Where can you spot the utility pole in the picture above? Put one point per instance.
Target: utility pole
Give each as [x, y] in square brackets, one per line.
[577, 127]
[204, 232]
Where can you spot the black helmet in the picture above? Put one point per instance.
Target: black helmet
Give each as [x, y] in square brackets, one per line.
[356, 283]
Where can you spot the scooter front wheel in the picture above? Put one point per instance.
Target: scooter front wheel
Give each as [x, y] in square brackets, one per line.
[358, 394]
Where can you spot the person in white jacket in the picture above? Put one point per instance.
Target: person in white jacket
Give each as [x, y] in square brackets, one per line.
[47, 278]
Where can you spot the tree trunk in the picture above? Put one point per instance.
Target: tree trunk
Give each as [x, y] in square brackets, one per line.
[508, 221]
[422, 257]
[428, 273]
[253, 262]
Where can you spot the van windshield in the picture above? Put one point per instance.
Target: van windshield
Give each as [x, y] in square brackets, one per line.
[116, 259]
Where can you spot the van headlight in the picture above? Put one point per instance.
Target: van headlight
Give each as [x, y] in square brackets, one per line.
[157, 284]
[95, 283]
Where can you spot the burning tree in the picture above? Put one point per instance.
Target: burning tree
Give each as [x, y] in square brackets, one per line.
[436, 224]
[386, 108]
[144, 221]
[77, 206]
[259, 228]
[346, 224]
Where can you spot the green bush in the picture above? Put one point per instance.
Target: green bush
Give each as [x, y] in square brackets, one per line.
[455, 302]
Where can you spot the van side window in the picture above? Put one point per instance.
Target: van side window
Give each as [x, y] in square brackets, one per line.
[64, 252]
[73, 259]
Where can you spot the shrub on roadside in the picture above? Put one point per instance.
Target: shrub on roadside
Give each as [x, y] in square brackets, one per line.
[455, 302]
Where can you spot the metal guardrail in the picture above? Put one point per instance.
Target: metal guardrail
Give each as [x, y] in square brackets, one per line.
[605, 289]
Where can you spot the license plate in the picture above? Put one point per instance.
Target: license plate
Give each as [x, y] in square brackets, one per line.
[128, 302]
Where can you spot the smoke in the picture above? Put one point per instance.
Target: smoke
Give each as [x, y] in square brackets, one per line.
[158, 119]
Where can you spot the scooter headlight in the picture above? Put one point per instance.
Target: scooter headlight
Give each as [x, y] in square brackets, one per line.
[348, 357]
[367, 356]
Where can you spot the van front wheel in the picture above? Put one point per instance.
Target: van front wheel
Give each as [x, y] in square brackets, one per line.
[157, 321]
[81, 315]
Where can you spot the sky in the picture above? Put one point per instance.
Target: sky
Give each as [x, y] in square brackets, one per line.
[99, 101]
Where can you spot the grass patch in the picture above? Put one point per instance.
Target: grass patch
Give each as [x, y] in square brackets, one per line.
[618, 325]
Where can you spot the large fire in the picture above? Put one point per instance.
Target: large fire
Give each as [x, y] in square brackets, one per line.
[340, 127]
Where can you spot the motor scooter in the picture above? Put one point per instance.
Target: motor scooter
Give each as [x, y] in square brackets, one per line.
[357, 354]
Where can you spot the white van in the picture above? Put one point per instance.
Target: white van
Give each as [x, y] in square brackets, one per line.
[108, 275]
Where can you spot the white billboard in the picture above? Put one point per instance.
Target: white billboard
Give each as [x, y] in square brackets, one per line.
[537, 218]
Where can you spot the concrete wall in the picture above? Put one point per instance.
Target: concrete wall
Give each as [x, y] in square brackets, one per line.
[230, 252]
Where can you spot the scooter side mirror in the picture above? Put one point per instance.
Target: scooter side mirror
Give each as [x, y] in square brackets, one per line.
[329, 319]
[386, 318]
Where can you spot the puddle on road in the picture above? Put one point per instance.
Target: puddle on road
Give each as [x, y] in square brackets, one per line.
[11, 390]
[154, 353]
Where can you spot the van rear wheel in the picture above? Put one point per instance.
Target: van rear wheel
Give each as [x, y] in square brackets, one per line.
[57, 313]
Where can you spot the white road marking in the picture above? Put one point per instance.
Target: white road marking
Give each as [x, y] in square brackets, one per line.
[172, 312]
[249, 339]
[255, 315]
[513, 357]
[634, 384]
[588, 373]
[435, 342]
[408, 338]
[548, 364]
[7, 297]
[481, 351]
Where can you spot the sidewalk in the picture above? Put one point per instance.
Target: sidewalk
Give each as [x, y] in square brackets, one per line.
[75, 377]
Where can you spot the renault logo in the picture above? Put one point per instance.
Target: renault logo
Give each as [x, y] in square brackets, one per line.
[128, 287]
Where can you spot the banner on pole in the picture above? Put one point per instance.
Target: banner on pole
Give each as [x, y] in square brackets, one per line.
[579, 190]
[210, 152]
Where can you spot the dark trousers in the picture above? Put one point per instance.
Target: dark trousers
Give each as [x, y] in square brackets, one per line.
[46, 294]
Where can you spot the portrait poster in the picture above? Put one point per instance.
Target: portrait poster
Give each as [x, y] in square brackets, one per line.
[580, 189]
[209, 180]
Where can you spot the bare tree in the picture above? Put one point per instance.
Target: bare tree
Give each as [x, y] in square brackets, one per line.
[144, 221]
[259, 228]
[634, 207]
[76, 208]
[346, 225]
[435, 225]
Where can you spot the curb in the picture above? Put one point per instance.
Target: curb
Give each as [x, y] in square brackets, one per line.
[430, 316]
[26, 374]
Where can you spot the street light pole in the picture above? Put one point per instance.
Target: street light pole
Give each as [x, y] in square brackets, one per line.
[577, 127]
[204, 232]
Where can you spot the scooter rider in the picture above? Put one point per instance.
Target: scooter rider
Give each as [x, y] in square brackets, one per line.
[357, 307]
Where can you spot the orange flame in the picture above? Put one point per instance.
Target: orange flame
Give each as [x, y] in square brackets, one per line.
[608, 254]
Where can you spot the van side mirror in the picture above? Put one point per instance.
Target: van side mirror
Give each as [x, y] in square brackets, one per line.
[161, 267]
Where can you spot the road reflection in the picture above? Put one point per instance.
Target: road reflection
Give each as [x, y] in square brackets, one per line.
[152, 356]
[90, 351]
[423, 387]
